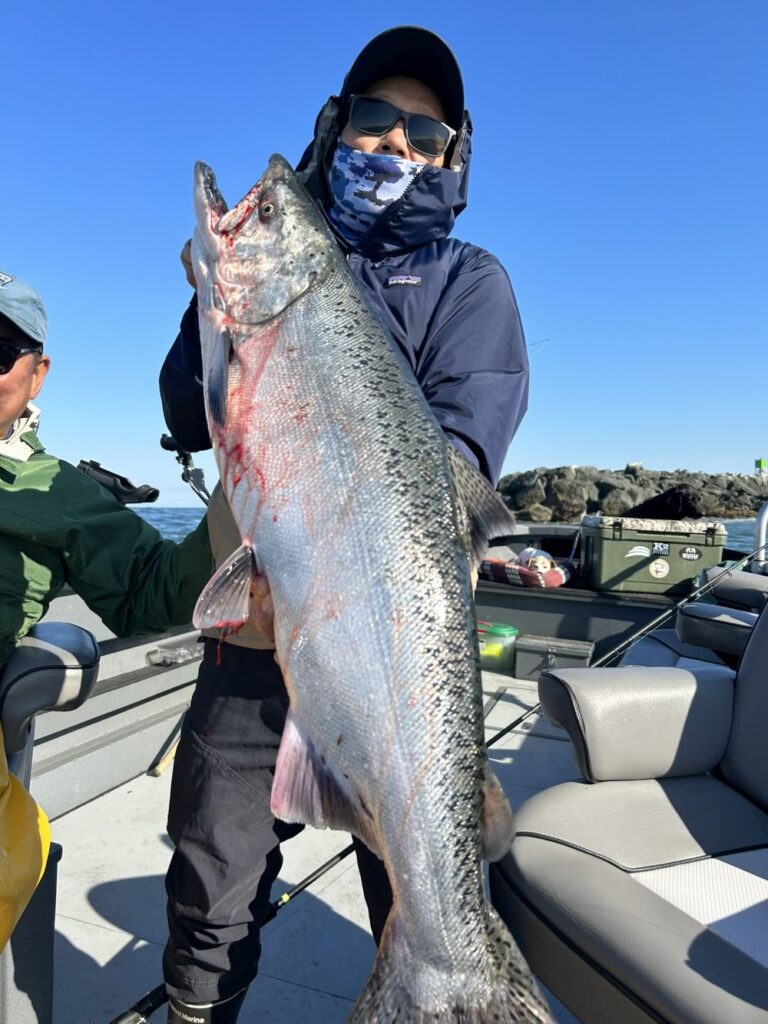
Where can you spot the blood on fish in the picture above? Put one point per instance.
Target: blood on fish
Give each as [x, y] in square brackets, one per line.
[331, 612]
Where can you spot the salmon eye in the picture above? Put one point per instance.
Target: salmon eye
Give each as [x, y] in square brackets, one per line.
[266, 210]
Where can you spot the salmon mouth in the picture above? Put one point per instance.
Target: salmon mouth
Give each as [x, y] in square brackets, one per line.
[207, 190]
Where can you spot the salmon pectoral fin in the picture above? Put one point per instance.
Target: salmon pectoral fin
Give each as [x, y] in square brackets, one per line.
[217, 384]
[497, 823]
[482, 513]
[225, 602]
[306, 789]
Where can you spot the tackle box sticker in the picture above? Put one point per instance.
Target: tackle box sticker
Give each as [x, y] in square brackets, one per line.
[690, 553]
[638, 551]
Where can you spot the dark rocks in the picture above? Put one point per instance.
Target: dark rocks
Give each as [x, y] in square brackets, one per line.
[564, 493]
[681, 502]
[534, 514]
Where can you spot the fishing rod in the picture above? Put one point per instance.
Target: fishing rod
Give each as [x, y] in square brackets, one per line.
[638, 635]
[142, 1010]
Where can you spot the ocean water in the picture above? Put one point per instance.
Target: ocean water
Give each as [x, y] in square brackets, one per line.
[178, 522]
[174, 523]
[741, 534]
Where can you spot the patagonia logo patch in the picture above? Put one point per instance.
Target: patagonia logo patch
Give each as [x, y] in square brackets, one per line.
[411, 279]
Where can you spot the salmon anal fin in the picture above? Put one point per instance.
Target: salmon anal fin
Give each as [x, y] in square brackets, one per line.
[306, 789]
[225, 600]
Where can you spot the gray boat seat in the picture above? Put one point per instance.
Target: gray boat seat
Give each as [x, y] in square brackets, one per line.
[725, 630]
[641, 893]
[703, 632]
[53, 668]
[663, 648]
[737, 588]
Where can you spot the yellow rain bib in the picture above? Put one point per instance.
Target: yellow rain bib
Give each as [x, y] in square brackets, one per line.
[25, 838]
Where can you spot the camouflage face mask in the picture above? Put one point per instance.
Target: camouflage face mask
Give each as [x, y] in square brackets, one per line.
[364, 185]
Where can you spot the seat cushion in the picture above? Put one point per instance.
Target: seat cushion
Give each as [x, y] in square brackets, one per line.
[716, 628]
[737, 588]
[663, 648]
[659, 895]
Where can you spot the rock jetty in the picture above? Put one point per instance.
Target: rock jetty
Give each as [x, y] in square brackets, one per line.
[563, 494]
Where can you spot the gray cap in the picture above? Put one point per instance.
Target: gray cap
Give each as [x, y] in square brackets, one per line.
[23, 306]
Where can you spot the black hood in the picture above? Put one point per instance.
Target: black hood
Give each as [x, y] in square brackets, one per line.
[425, 213]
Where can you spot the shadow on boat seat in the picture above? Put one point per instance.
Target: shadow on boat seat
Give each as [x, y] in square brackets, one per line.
[53, 668]
[641, 893]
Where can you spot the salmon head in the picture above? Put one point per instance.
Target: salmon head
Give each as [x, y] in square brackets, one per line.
[260, 257]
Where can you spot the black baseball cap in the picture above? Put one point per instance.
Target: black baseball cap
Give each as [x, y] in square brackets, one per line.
[415, 53]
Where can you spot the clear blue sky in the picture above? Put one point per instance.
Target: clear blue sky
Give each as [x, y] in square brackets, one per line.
[620, 174]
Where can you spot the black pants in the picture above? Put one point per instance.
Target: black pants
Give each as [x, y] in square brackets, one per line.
[227, 843]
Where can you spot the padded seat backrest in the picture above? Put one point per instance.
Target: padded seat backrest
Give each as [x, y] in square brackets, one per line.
[736, 588]
[53, 668]
[745, 764]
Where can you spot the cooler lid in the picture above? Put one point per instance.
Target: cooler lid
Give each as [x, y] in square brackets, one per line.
[655, 525]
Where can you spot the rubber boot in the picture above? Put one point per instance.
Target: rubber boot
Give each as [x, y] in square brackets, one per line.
[224, 1012]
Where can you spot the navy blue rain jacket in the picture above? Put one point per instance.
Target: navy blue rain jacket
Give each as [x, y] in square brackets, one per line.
[448, 304]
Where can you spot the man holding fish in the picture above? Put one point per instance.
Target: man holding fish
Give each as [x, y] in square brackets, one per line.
[360, 375]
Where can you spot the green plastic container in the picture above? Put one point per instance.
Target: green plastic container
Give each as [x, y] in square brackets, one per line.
[651, 556]
[497, 646]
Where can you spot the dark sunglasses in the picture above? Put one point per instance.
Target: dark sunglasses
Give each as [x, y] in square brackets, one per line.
[9, 353]
[425, 134]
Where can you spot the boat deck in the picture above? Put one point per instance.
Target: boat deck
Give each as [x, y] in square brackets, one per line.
[110, 921]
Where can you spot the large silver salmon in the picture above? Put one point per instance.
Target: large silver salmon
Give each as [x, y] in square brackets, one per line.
[364, 520]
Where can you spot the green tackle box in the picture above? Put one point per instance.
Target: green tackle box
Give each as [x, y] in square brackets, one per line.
[647, 556]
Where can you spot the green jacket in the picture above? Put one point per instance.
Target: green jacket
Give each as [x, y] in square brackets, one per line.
[58, 526]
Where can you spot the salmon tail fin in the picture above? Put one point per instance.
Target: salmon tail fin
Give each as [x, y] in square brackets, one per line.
[504, 992]
[225, 602]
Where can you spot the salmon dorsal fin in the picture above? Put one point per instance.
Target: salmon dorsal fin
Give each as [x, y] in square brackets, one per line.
[225, 602]
[306, 789]
[482, 513]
